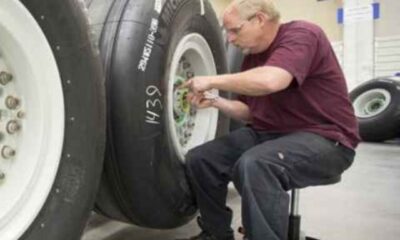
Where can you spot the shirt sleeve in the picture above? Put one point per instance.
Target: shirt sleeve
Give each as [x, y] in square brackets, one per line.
[295, 53]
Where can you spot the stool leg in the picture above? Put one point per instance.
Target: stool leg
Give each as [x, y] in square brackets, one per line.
[294, 217]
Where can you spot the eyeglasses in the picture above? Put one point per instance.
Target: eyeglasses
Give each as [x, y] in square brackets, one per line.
[236, 30]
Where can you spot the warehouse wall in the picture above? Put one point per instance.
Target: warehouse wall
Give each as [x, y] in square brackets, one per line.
[322, 13]
[383, 35]
[387, 39]
[219, 6]
[389, 23]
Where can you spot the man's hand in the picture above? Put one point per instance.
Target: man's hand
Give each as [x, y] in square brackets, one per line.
[198, 85]
[199, 100]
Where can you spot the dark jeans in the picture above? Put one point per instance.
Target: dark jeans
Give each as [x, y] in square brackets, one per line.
[263, 167]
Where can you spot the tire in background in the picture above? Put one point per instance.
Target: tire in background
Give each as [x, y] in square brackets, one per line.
[62, 102]
[145, 166]
[105, 17]
[377, 107]
[234, 58]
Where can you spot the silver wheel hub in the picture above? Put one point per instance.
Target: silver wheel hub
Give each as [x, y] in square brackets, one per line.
[190, 127]
[371, 103]
[31, 119]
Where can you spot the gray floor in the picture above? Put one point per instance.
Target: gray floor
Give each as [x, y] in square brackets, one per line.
[364, 206]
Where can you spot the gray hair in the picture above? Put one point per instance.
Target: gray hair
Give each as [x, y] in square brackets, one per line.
[249, 8]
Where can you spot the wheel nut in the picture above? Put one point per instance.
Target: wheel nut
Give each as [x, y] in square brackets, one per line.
[7, 152]
[186, 65]
[12, 102]
[21, 114]
[13, 127]
[2, 176]
[5, 78]
[190, 74]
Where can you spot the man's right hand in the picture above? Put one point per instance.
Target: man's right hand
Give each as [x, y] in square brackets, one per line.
[232, 108]
[199, 100]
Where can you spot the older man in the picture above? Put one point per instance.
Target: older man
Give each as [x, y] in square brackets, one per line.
[301, 126]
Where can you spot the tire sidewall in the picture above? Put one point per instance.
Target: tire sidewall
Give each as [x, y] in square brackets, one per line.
[68, 205]
[140, 109]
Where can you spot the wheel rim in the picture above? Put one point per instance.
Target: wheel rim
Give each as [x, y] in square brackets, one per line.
[31, 122]
[371, 103]
[187, 126]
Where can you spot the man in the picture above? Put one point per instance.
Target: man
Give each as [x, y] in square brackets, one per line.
[301, 126]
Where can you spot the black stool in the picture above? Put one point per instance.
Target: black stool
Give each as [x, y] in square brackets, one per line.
[295, 218]
[294, 232]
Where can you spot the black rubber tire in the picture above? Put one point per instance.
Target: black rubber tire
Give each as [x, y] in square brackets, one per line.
[385, 125]
[66, 210]
[234, 58]
[146, 177]
[104, 17]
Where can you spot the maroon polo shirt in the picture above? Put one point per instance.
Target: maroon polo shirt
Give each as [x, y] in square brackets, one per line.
[317, 100]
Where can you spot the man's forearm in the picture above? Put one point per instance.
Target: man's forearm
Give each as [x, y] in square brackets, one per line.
[233, 108]
[254, 82]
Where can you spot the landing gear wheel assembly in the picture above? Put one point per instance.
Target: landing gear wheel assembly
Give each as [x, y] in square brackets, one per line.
[150, 48]
[377, 107]
[48, 177]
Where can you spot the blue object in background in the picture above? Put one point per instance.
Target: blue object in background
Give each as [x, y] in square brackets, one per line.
[376, 12]
[397, 74]
[340, 15]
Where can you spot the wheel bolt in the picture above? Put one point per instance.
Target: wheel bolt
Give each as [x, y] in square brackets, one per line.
[186, 65]
[12, 102]
[5, 78]
[2, 176]
[21, 114]
[13, 127]
[7, 152]
[189, 74]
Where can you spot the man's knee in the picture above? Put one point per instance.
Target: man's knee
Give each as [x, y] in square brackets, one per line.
[194, 158]
[246, 165]
[254, 169]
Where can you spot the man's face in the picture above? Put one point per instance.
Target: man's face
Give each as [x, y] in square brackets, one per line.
[241, 33]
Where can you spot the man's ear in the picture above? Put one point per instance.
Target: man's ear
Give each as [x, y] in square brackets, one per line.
[262, 18]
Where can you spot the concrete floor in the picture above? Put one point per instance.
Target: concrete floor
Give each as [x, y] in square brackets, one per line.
[364, 206]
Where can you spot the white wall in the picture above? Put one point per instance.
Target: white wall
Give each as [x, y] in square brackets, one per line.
[389, 23]
[365, 49]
